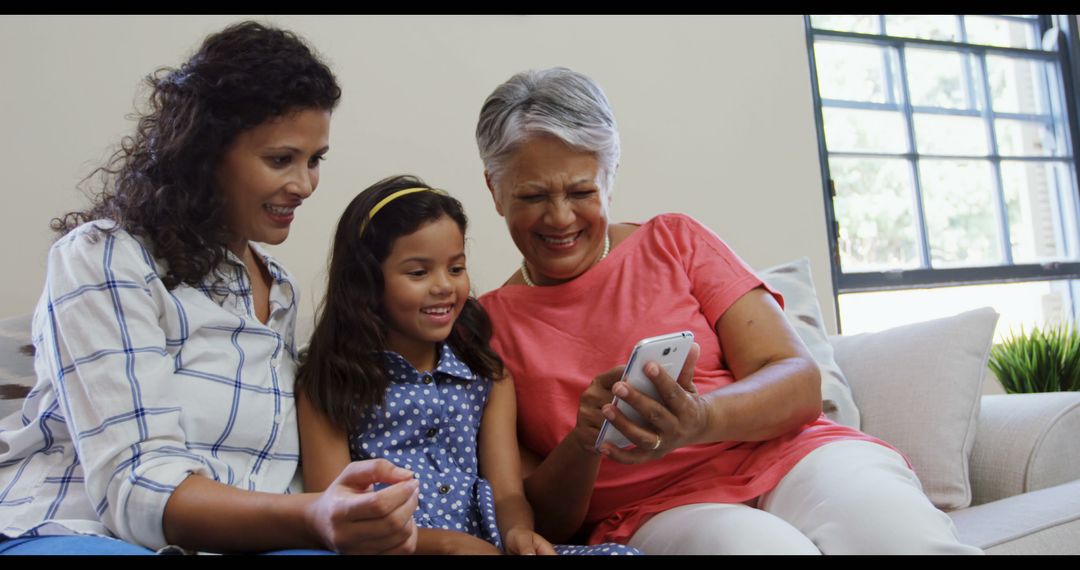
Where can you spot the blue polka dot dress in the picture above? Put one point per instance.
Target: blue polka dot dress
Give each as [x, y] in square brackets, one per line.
[429, 423]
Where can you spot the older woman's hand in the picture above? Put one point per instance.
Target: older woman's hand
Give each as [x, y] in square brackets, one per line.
[679, 420]
[593, 399]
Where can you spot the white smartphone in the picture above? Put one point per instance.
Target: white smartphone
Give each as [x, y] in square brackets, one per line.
[669, 351]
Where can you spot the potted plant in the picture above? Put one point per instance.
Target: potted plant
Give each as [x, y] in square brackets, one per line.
[1044, 360]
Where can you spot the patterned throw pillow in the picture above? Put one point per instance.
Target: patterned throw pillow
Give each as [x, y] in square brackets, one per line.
[803, 312]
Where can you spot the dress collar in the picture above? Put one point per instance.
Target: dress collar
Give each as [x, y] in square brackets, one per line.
[449, 364]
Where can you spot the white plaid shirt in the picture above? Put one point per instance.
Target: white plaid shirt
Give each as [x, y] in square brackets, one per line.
[138, 387]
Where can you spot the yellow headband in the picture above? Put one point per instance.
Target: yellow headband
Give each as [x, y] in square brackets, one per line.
[382, 203]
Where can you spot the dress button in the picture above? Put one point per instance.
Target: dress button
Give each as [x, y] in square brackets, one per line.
[444, 489]
[431, 432]
[274, 362]
[426, 379]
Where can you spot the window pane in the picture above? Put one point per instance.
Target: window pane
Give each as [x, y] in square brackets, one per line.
[982, 173]
[1026, 304]
[1034, 200]
[1017, 85]
[999, 32]
[853, 130]
[854, 72]
[939, 78]
[1025, 138]
[958, 196]
[936, 27]
[860, 24]
[950, 135]
[875, 209]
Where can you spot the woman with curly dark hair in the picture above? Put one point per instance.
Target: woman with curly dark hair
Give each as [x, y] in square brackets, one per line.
[164, 338]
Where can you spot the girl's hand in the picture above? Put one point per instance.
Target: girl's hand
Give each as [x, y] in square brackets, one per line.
[441, 541]
[521, 540]
[468, 544]
[350, 517]
[679, 420]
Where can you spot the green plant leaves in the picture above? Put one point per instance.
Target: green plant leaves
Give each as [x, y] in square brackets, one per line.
[1046, 360]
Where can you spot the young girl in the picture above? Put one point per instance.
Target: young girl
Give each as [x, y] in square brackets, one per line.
[399, 367]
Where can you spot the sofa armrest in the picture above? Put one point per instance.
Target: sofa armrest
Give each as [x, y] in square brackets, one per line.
[1025, 442]
[1046, 521]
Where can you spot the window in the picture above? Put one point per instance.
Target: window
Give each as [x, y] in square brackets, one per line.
[950, 178]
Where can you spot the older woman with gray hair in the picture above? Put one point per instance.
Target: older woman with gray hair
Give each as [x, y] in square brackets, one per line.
[736, 457]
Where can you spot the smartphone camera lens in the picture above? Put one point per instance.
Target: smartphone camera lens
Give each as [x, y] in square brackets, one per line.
[667, 351]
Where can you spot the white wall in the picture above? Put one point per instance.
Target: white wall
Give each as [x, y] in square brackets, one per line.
[715, 113]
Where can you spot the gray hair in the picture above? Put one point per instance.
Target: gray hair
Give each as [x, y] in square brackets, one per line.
[556, 101]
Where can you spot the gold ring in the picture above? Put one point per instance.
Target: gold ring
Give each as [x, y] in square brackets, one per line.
[657, 444]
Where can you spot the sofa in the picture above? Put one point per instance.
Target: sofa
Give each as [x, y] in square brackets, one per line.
[1019, 491]
[1006, 468]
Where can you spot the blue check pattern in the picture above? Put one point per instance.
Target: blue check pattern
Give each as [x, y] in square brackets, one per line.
[139, 387]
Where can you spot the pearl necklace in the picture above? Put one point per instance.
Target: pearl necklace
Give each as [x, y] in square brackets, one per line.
[525, 268]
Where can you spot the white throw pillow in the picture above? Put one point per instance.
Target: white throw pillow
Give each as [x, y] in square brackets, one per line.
[803, 312]
[919, 387]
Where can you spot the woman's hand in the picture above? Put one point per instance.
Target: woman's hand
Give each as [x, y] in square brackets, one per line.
[350, 517]
[679, 419]
[521, 540]
[592, 400]
[777, 388]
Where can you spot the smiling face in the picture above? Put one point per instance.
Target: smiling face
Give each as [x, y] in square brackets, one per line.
[555, 206]
[426, 286]
[268, 171]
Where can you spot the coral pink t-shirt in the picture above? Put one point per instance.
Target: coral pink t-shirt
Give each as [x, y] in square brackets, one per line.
[671, 274]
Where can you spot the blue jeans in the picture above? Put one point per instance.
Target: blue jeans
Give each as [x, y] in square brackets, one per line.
[86, 544]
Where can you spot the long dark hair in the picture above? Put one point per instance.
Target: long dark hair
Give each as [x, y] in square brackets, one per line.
[160, 182]
[342, 372]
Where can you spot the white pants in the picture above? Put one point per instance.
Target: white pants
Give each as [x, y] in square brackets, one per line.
[848, 497]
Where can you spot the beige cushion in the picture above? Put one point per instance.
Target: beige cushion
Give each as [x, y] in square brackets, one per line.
[1025, 442]
[918, 387]
[803, 312]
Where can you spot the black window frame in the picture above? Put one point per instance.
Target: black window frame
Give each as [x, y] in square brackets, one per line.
[1067, 57]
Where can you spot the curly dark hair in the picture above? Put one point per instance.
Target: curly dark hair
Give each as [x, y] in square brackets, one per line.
[342, 372]
[160, 182]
